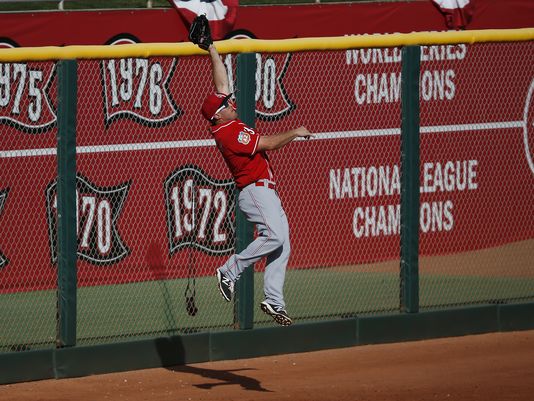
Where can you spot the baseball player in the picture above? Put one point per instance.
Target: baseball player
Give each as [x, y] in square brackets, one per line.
[243, 150]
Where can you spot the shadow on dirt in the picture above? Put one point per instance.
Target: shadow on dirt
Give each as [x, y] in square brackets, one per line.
[224, 377]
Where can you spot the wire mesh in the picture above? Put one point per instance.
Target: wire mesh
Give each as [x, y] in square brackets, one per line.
[154, 164]
[155, 201]
[28, 104]
[339, 190]
[476, 181]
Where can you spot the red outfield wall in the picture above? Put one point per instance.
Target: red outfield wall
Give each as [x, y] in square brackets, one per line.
[265, 22]
[136, 208]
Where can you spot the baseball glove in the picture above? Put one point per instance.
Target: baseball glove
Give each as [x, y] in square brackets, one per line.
[199, 32]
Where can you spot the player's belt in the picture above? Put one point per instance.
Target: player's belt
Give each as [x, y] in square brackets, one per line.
[267, 184]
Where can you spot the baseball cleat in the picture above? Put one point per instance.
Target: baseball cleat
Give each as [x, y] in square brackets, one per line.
[226, 286]
[278, 313]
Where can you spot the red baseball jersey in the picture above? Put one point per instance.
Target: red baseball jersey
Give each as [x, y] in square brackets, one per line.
[238, 144]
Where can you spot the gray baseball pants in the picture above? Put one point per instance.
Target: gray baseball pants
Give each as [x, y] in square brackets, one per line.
[262, 207]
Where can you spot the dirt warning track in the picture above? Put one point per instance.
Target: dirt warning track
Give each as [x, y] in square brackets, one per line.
[497, 367]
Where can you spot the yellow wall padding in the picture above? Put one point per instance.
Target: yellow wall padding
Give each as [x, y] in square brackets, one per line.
[144, 50]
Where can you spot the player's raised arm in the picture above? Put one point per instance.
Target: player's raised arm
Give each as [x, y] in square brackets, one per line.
[220, 78]
[200, 34]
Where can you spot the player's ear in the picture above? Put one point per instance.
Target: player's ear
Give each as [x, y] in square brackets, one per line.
[214, 120]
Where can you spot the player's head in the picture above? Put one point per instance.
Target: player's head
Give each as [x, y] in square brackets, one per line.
[218, 107]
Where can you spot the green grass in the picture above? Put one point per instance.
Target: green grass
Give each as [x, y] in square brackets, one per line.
[141, 310]
[445, 291]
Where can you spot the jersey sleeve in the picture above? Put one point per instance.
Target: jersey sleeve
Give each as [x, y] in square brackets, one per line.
[242, 140]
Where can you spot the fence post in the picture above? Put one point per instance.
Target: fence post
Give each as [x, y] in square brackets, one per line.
[66, 204]
[246, 88]
[409, 213]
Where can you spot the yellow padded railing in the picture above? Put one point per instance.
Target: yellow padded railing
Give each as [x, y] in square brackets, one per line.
[144, 50]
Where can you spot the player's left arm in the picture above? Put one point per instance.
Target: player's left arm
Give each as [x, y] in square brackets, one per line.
[277, 141]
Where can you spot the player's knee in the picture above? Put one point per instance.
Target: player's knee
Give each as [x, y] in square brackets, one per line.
[287, 248]
[276, 238]
[277, 242]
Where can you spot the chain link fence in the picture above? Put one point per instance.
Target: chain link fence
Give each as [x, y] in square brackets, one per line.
[155, 203]
[476, 175]
[329, 185]
[28, 119]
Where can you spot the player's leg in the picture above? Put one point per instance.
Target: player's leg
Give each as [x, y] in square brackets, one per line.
[275, 269]
[261, 206]
[274, 278]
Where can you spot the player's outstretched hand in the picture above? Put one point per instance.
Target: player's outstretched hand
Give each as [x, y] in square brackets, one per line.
[303, 132]
[200, 33]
